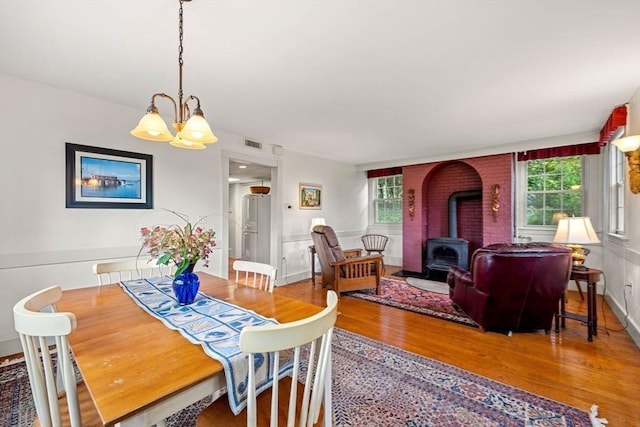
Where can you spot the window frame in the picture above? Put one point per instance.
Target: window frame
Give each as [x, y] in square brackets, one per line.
[616, 187]
[373, 199]
[522, 184]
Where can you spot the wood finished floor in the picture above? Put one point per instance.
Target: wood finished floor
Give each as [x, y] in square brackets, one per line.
[564, 367]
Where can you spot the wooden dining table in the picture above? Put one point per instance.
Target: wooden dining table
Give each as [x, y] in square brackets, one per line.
[137, 370]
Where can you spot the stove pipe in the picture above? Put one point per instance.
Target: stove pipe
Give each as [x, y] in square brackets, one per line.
[453, 208]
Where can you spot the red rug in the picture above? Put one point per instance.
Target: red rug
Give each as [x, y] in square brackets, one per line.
[375, 384]
[397, 293]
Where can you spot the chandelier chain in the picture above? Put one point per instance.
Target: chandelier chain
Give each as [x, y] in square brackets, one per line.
[181, 33]
[180, 63]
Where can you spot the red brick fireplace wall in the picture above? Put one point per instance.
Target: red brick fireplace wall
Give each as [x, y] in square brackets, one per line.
[433, 183]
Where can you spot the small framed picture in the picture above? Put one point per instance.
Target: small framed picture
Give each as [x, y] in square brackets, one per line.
[108, 179]
[310, 196]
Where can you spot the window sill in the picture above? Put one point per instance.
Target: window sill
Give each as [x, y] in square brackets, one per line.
[617, 238]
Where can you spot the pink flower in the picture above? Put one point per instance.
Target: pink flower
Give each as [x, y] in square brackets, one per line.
[183, 245]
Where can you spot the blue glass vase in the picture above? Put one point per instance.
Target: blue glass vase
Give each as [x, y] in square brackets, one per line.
[186, 285]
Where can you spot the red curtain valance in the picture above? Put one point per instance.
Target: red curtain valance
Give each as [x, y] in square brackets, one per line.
[617, 118]
[378, 173]
[569, 150]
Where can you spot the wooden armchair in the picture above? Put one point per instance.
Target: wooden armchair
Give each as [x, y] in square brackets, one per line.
[340, 273]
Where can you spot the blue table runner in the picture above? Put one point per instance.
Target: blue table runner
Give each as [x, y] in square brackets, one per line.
[215, 325]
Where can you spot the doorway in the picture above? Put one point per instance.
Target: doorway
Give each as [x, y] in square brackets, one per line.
[241, 171]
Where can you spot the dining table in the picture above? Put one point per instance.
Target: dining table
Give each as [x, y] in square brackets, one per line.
[137, 370]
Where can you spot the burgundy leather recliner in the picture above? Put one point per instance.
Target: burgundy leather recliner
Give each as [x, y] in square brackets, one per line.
[512, 286]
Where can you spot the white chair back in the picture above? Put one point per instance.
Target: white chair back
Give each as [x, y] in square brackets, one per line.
[315, 331]
[117, 271]
[35, 328]
[255, 275]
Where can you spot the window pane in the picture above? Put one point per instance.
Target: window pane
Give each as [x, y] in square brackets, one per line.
[535, 183]
[388, 202]
[553, 187]
[553, 182]
[553, 201]
[535, 200]
[534, 217]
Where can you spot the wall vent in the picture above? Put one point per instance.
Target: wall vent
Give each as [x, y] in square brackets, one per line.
[253, 144]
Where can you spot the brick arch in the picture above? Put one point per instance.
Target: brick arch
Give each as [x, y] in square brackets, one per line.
[488, 171]
[439, 184]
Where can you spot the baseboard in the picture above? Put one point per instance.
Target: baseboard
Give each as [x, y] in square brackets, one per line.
[293, 278]
[632, 328]
[10, 347]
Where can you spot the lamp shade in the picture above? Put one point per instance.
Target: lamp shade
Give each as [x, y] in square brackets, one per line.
[198, 130]
[577, 230]
[181, 142]
[628, 143]
[317, 221]
[151, 127]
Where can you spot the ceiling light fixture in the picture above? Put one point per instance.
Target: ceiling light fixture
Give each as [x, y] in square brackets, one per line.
[193, 131]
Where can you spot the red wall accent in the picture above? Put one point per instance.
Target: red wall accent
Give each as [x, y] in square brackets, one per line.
[433, 184]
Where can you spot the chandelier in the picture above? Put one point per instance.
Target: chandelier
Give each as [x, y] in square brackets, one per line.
[192, 130]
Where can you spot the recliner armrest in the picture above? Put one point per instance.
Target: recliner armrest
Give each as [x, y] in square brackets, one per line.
[357, 259]
[457, 274]
[350, 253]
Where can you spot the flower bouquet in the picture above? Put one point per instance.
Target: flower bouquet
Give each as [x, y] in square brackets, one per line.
[184, 246]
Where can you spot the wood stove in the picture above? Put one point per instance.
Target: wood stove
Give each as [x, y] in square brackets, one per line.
[443, 252]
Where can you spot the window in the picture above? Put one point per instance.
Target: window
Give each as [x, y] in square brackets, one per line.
[554, 189]
[616, 190]
[388, 200]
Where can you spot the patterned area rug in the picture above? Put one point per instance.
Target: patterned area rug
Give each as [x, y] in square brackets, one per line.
[17, 408]
[397, 293]
[374, 384]
[378, 385]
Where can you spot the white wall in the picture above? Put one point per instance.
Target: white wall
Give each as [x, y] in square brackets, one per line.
[344, 207]
[43, 243]
[622, 256]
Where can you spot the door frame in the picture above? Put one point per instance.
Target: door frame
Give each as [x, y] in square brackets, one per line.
[276, 200]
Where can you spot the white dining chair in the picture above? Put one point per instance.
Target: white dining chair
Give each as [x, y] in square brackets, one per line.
[117, 271]
[38, 330]
[255, 275]
[310, 340]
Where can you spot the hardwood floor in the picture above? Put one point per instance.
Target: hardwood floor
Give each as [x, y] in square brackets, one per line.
[564, 367]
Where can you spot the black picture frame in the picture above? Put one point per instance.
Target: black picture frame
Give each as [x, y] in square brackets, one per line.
[102, 178]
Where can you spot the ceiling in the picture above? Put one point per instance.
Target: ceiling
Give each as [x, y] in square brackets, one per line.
[356, 81]
[243, 172]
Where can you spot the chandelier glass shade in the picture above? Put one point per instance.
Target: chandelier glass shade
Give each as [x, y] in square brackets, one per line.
[192, 130]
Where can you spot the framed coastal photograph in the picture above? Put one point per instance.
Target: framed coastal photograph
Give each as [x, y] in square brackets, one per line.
[310, 196]
[104, 178]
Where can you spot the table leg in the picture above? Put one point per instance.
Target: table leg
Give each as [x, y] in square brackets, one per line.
[558, 315]
[312, 249]
[590, 299]
[593, 308]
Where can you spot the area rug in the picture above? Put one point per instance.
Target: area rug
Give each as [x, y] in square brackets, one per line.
[17, 408]
[397, 293]
[375, 384]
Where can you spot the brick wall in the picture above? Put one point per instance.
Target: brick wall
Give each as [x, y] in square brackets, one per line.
[435, 182]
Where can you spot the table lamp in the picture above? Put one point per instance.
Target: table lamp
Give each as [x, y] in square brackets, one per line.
[317, 221]
[573, 232]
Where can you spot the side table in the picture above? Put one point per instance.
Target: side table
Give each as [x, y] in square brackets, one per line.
[591, 276]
